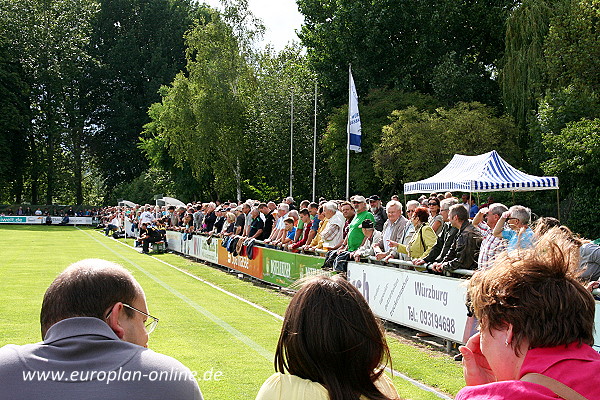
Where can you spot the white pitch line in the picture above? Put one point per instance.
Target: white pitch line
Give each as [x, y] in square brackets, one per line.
[416, 383]
[234, 332]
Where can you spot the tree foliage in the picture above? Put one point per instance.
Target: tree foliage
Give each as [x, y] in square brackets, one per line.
[49, 39]
[279, 77]
[14, 121]
[418, 144]
[523, 74]
[399, 44]
[138, 46]
[575, 157]
[208, 106]
[573, 46]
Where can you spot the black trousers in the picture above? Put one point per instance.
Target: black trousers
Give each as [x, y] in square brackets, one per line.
[146, 243]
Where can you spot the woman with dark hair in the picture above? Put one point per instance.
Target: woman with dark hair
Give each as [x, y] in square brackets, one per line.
[422, 240]
[536, 328]
[331, 347]
[436, 221]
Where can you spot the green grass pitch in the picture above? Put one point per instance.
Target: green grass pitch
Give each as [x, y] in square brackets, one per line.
[209, 331]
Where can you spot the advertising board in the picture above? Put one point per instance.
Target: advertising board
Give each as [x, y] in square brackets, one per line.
[425, 302]
[243, 264]
[41, 219]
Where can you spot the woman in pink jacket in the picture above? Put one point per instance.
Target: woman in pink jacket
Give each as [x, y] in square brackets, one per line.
[536, 328]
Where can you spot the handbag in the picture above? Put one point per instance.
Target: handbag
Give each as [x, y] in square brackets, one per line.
[559, 388]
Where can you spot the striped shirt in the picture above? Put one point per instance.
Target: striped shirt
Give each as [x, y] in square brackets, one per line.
[491, 246]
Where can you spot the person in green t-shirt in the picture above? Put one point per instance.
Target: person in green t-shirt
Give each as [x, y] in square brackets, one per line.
[355, 234]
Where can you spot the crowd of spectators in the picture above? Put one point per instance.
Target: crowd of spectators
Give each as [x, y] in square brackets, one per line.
[439, 233]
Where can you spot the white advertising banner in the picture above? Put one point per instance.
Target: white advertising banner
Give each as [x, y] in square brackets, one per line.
[41, 220]
[130, 231]
[597, 330]
[210, 252]
[174, 240]
[425, 302]
[205, 251]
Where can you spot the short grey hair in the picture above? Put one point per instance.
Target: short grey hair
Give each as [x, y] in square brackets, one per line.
[392, 203]
[522, 213]
[293, 214]
[447, 203]
[498, 208]
[284, 206]
[412, 203]
[330, 206]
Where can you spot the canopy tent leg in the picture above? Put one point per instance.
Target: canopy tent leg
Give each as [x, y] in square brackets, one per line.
[558, 204]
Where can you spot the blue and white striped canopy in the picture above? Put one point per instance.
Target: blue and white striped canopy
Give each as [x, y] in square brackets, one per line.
[483, 173]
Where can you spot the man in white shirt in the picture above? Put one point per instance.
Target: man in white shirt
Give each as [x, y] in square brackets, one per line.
[113, 225]
[333, 233]
[146, 216]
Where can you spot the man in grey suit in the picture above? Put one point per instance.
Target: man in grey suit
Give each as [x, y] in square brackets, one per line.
[95, 326]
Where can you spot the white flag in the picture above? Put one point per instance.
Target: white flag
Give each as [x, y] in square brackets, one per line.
[354, 129]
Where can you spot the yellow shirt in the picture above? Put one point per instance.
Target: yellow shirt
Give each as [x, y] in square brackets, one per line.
[421, 242]
[290, 387]
[317, 240]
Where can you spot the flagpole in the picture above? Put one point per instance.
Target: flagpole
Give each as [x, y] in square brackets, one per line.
[292, 142]
[348, 134]
[315, 148]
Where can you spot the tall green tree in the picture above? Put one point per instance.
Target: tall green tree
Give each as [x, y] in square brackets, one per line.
[50, 39]
[572, 47]
[203, 117]
[574, 155]
[139, 46]
[281, 76]
[14, 121]
[524, 73]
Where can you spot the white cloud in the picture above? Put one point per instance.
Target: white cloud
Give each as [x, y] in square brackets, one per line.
[280, 17]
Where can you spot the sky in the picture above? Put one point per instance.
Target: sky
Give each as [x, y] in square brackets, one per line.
[280, 17]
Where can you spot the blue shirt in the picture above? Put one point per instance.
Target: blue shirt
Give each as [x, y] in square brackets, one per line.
[292, 233]
[474, 211]
[514, 241]
[315, 224]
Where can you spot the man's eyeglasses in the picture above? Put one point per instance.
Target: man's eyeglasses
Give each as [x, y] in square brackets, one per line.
[149, 324]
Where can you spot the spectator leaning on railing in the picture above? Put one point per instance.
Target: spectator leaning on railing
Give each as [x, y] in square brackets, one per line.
[518, 234]
[445, 239]
[491, 245]
[333, 233]
[423, 239]
[409, 230]
[393, 229]
[465, 250]
[355, 235]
